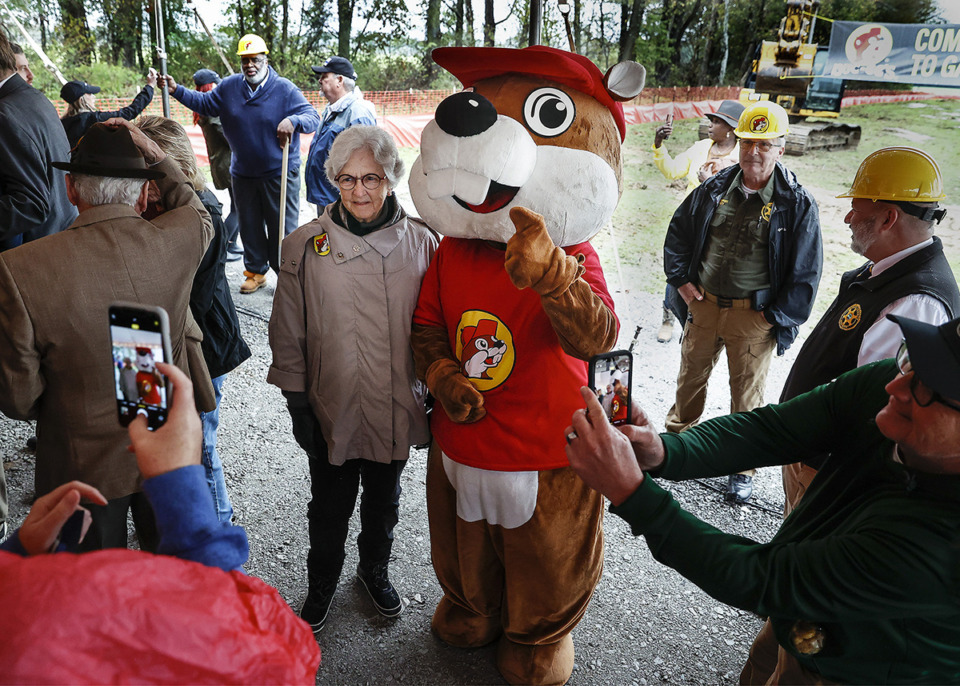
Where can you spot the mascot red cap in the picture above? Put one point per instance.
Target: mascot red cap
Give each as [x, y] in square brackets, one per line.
[576, 71]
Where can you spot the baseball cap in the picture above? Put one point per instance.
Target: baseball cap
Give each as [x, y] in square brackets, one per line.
[74, 90]
[203, 77]
[570, 69]
[934, 353]
[337, 65]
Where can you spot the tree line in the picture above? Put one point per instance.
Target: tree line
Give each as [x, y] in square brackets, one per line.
[680, 42]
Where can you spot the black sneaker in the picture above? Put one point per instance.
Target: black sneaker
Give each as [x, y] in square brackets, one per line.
[739, 488]
[382, 592]
[316, 607]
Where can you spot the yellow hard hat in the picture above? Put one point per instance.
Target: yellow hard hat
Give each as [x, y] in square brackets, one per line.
[763, 120]
[252, 44]
[898, 174]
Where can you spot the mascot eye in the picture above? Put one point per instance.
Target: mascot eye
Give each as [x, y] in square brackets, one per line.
[548, 112]
[481, 344]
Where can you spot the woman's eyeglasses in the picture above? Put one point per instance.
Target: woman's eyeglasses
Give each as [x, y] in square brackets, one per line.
[370, 181]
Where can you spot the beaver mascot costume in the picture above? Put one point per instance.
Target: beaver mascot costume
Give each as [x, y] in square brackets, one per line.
[517, 172]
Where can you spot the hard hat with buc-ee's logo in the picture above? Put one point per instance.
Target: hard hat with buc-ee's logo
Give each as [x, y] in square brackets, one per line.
[763, 120]
[252, 44]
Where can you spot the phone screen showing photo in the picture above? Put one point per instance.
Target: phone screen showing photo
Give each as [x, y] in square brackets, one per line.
[137, 346]
[610, 379]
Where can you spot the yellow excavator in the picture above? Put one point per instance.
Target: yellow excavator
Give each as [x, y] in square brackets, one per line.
[787, 71]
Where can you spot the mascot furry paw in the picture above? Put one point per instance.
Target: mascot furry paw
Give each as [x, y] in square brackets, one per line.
[518, 172]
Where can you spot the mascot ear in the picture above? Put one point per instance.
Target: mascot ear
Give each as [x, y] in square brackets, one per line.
[625, 80]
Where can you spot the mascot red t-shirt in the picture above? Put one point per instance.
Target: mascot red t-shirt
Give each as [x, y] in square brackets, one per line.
[509, 351]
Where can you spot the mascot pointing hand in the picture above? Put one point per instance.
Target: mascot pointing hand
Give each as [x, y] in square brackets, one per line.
[518, 172]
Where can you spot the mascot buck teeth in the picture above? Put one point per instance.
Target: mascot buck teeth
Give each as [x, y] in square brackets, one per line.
[517, 172]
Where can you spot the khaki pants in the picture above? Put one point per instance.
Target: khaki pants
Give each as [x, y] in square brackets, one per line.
[749, 341]
[796, 481]
[771, 665]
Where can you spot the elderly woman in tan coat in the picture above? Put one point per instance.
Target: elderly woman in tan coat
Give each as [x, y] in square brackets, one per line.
[340, 335]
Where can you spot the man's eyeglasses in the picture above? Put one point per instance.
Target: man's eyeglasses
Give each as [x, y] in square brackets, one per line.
[922, 395]
[370, 181]
[761, 145]
[256, 59]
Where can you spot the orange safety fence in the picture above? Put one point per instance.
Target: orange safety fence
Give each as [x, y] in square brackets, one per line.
[404, 113]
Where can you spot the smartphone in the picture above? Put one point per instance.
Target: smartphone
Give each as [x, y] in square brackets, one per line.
[610, 378]
[139, 339]
[669, 120]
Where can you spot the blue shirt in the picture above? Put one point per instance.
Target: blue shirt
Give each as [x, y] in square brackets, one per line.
[186, 521]
[350, 110]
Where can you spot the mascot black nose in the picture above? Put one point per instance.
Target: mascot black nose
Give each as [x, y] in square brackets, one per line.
[466, 114]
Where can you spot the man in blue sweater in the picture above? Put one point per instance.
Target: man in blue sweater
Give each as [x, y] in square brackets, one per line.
[258, 110]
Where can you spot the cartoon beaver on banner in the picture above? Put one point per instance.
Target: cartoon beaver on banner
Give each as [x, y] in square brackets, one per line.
[525, 160]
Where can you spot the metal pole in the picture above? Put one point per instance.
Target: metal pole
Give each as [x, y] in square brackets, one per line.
[536, 21]
[213, 40]
[282, 228]
[565, 11]
[47, 62]
[162, 55]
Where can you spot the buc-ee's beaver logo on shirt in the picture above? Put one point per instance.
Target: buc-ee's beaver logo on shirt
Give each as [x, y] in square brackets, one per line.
[850, 317]
[485, 349]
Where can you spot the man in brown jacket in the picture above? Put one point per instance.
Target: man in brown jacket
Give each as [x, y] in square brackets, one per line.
[56, 364]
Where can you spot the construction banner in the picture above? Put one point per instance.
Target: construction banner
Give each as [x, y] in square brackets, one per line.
[920, 54]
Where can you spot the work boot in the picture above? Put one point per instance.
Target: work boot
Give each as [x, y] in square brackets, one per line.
[253, 283]
[739, 488]
[317, 604]
[666, 328]
[384, 595]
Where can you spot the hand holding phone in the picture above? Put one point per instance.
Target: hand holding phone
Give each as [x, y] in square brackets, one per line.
[176, 444]
[663, 132]
[610, 376]
[140, 339]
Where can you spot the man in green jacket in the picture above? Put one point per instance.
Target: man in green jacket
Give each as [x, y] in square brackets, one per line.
[862, 581]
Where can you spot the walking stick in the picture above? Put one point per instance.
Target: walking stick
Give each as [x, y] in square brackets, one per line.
[281, 228]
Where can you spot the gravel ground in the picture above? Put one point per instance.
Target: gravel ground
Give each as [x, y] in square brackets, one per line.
[645, 624]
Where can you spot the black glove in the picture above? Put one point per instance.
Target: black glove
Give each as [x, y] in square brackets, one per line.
[305, 425]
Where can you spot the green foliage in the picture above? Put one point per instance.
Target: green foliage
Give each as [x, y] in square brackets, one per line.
[385, 72]
[113, 80]
[680, 41]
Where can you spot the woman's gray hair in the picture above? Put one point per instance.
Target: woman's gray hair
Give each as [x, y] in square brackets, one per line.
[107, 190]
[374, 139]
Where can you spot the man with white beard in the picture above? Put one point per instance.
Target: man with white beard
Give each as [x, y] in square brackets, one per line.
[260, 112]
[894, 204]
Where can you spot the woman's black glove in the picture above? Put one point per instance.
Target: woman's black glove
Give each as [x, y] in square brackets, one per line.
[305, 424]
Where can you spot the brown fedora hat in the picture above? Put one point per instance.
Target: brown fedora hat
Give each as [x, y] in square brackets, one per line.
[108, 151]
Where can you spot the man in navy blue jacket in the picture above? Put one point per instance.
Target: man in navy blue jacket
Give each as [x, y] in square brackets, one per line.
[258, 109]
